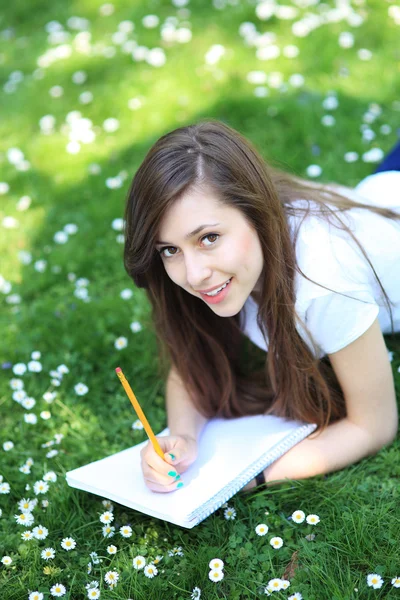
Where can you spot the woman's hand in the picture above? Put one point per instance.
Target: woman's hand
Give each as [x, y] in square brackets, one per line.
[164, 475]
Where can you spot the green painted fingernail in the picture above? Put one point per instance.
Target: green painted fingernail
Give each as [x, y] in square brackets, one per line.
[180, 484]
[172, 473]
[172, 456]
[177, 477]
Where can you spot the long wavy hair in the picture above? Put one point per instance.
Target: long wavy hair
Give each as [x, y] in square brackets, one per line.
[204, 348]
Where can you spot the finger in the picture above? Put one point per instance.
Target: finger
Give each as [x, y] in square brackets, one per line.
[151, 457]
[153, 482]
[154, 476]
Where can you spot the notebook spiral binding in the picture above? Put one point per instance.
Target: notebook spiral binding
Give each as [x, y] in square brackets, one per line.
[266, 459]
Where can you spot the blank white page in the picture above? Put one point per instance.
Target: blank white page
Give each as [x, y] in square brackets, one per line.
[230, 451]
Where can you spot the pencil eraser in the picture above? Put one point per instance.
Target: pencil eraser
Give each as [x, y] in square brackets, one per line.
[117, 370]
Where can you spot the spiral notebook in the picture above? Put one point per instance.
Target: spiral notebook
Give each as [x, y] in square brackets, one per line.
[231, 453]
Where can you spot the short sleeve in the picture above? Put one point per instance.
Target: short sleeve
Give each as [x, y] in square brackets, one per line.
[335, 320]
[338, 304]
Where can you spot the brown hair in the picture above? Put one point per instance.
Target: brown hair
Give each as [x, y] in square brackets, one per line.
[203, 348]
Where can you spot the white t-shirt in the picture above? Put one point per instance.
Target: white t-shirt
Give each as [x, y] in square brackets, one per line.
[329, 256]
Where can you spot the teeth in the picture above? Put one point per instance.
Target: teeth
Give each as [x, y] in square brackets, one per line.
[215, 292]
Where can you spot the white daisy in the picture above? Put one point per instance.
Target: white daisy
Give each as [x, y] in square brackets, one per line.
[107, 517]
[111, 549]
[126, 294]
[111, 577]
[4, 488]
[92, 584]
[296, 596]
[285, 584]
[125, 531]
[30, 418]
[19, 369]
[396, 582]
[229, 513]
[40, 487]
[26, 505]
[108, 531]
[150, 571]
[216, 575]
[276, 542]
[374, 580]
[34, 366]
[50, 476]
[35, 596]
[81, 389]
[117, 224]
[94, 558]
[27, 535]
[275, 584]
[261, 529]
[48, 553]
[139, 562]
[216, 563]
[135, 326]
[25, 519]
[312, 519]
[68, 543]
[313, 171]
[58, 590]
[93, 593]
[107, 505]
[137, 425]
[298, 516]
[6, 560]
[40, 532]
[120, 343]
[7, 446]
[16, 384]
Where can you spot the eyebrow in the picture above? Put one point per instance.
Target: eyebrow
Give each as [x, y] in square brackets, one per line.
[194, 232]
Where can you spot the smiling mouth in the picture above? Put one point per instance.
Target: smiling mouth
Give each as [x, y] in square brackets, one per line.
[217, 290]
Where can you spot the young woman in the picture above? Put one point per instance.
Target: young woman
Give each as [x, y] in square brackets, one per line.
[226, 246]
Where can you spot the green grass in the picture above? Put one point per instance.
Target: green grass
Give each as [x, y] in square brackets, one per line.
[358, 506]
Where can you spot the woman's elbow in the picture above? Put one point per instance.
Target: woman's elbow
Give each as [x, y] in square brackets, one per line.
[388, 436]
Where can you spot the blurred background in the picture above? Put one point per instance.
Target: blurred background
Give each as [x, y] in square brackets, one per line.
[86, 88]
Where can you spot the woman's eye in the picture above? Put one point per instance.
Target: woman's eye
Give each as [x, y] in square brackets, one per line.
[209, 235]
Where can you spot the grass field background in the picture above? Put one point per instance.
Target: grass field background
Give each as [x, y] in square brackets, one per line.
[86, 89]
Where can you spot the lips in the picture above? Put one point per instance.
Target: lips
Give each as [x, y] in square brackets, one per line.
[214, 288]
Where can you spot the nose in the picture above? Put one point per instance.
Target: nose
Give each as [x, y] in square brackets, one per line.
[198, 271]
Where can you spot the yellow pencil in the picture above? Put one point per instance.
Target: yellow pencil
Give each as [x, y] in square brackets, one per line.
[139, 412]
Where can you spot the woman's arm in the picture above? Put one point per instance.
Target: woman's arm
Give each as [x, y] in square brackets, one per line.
[183, 418]
[365, 376]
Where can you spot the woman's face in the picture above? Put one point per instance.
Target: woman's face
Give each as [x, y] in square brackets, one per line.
[227, 248]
